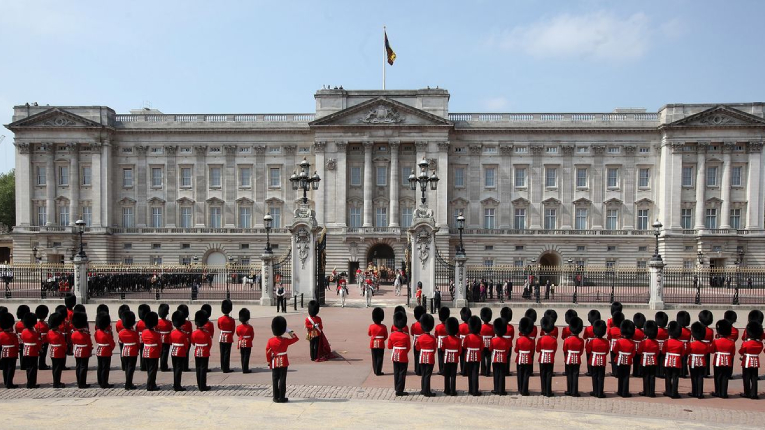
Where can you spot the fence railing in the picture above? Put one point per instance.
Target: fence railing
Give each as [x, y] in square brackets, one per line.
[726, 285]
[36, 281]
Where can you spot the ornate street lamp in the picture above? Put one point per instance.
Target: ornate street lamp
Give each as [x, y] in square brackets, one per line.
[80, 229]
[423, 179]
[656, 232]
[460, 227]
[535, 285]
[267, 220]
[303, 180]
[228, 276]
[739, 262]
[700, 256]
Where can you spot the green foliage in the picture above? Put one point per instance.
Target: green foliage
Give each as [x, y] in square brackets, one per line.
[8, 199]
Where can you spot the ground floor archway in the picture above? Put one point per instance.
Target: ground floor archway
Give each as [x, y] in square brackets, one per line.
[382, 258]
[549, 263]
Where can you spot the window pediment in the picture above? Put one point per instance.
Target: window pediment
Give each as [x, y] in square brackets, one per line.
[582, 202]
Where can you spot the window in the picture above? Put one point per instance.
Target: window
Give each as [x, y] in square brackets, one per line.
[457, 213]
[245, 217]
[642, 249]
[41, 176]
[688, 264]
[488, 248]
[688, 248]
[156, 246]
[519, 222]
[521, 149]
[405, 172]
[215, 149]
[551, 150]
[459, 177]
[245, 149]
[274, 177]
[712, 176]
[185, 246]
[711, 218]
[244, 246]
[644, 150]
[186, 219]
[354, 220]
[735, 218]
[686, 219]
[643, 175]
[185, 177]
[276, 214]
[304, 150]
[582, 149]
[581, 177]
[215, 217]
[550, 219]
[612, 218]
[156, 260]
[87, 215]
[381, 217]
[214, 177]
[42, 217]
[489, 180]
[382, 176]
[245, 173]
[127, 178]
[356, 176]
[127, 246]
[613, 177]
[186, 150]
[406, 217]
[614, 149]
[580, 220]
[127, 261]
[551, 177]
[86, 175]
[610, 264]
[157, 220]
[735, 176]
[156, 150]
[687, 176]
[63, 215]
[520, 177]
[128, 217]
[63, 175]
[519, 247]
[156, 177]
[488, 218]
[580, 248]
[518, 263]
[490, 150]
[642, 219]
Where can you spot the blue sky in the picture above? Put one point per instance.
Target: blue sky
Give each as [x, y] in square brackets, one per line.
[255, 57]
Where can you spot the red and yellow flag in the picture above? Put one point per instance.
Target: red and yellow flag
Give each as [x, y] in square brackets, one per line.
[389, 51]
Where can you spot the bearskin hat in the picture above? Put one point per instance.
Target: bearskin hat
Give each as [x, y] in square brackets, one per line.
[399, 320]
[627, 329]
[452, 326]
[184, 310]
[547, 324]
[443, 314]
[55, 319]
[674, 330]
[552, 315]
[525, 326]
[731, 316]
[61, 309]
[575, 325]
[506, 314]
[465, 314]
[103, 321]
[486, 315]
[207, 308]
[128, 319]
[723, 328]
[706, 318]
[599, 328]
[80, 308]
[151, 320]
[754, 330]
[616, 307]
[226, 306]
[651, 329]
[21, 311]
[102, 309]
[616, 319]
[79, 320]
[7, 321]
[201, 318]
[683, 318]
[121, 310]
[163, 310]
[70, 300]
[399, 308]
[313, 308]
[662, 319]
[41, 312]
[500, 327]
[244, 315]
[426, 323]
[178, 319]
[278, 325]
[143, 309]
[378, 315]
[698, 330]
[755, 316]
[570, 314]
[418, 312]
[639, 320]
[474, 324]
[30, 320]
[593, 316]
[531, 314]
[3, 309]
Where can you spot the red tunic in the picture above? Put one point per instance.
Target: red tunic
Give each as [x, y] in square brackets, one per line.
[187, 328]
[662, 337]
[553, 333]
[500, 349]
[440, 332]
[140, 326]
[573, 347]
[674, 350]
[164, 327]
[276, 351]
[227, 326]
[725, 350]
[9, 345]
[152, 344]
[473, 345]
[588, 334]
[314, 326]
[202, 342]
[179, 343]
[649, 350]
[104, 343]
[42, 330]
[625, 351]
[547, 345]
[750, 354]
[609, 324]
[613, 334]
[452, 347]
[415, 331]
[524, 350]
[129, 339]
[733, 334]
[377, 334]
[597, 348]
[426, 344]
[637, 338]
[245, 333]
[685, 335]
[400, 344]
[487, 333]
[210, 329]
[19, 328]
[464, 331]
[57, 342]
[710, 336]
[31, 341]
[697, 351]
[565, 333]
[119, 326]
[533, 333]
[82, 344]
[394, 328]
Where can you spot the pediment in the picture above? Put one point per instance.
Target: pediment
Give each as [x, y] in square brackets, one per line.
[274, 201]
[126, 201]
[520, 202]
[713, 201]
[244, 201]
[54, 118]
[185, 201]
[214, 201]
[459, 201]
[582, 202]
[613, 202]
[644, 202]
[381, 111]
[719, 116]
[551, 202]
[156, 201]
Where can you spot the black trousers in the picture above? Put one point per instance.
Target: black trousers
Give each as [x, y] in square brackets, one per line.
[102, 373]
[281, 302]
[660, 365]
[427, 372]
[314, 348]
[186, 359]
[31, 368]
[163, 358]
[81, 371]
[637, 368]
[572, 379]
[472, 368]
[417, 363]
[142, 360]
[589, 364]
[22, 362]
[399, 376]
[722, 376]
[245, 356]
[684, 373]
[440, 362]
[545, 376]
[523, 373]
[200, 366]
[697, 381]
[43, 353]
[623, 377]
[279, 380]
[225, 357]
[486, 362]
[152, 365]
[177, 372]
[499, 377]
[671, 380]
[613, 364]
[462, 363]
[708, 367]
[130, 364]
[450, 378]
[377, 360]
[9, 370]
[750, 382]
[598, 375]
[122, 359]
[649, 380]
[57, 366]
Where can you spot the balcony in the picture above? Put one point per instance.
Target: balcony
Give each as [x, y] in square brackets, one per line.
[635, 119]
[305, 118]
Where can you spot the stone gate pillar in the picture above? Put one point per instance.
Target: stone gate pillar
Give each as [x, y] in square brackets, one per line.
[422, 235]
[267, 279]
[459, 280]
[81, 279]
[304, 231]
[656, 283]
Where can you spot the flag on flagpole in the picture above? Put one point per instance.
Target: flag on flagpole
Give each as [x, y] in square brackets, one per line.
[389, 51]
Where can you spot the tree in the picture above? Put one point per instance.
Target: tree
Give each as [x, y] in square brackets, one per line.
[8, 198]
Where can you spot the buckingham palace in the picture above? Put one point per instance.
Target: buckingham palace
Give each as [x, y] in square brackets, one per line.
[158, 188]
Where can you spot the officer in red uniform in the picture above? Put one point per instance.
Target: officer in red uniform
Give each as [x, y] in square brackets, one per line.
[547, 346]
[625, 353]
[499, 350]
[750, 359]
[119, 327]
[21, 311]
[9, 349]
[396, 310]
[684, 320]
[674, 351]
[57, 343]
[209, 327]
[314, 328]
[227, 326]
[426, 345]
[553, 316]
[82, 347]
[464, 330]
[440, 332]
[452, 348]
[377, 333]
[568, 316]
[41, 312]
[143, 309]
[598, 349]
[276, 355]
[507, 314]
[637, 338]
[706, 318]
[129, 338]
[732, 317]
[531, 314]
[524, 355]
[179, 347]
[104, 348]
[487, 333]
[755, 315]
[164, 327]
[187, 328]
[201, 341]
[613, 336]
[649, 353]
[70, 301]
[473, 346]
[615, 307]
[400, 345]
[245, 333]
[152, 350]
[662, 319]
[31, 340]
[592, 316]
[725, 349]
[573, 348]
[416, 332]
[697, 357]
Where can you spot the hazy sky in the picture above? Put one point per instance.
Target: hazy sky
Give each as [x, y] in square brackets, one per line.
[270, 57]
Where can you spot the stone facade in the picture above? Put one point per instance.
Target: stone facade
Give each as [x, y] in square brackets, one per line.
[163, 188]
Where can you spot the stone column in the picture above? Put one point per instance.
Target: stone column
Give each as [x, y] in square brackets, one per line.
[81, 279]
[395, 183]
[701, 158]
[753, 215]
[74, 182]
[598, 187]
[342, 184]
[261, 182]
[26, 179]
[536, 186]
[50, 181]
[267, 279]
[505, 184]
[368, 185]
[141, 186]
[171, 185]
[106, 184]
[630, 183]
[441, 202]
[459, 281]
[656, 283]
[568, 185]
[320, 195]
[422, 236]
[725, 185]
[304, 232]
[96, 184]
[229, 193]
[200, 186]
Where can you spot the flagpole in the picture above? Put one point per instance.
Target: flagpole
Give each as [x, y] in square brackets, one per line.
[385, 57]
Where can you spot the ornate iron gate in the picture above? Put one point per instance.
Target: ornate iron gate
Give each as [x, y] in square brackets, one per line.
[321, 263]
[444, 277]
[283, 273]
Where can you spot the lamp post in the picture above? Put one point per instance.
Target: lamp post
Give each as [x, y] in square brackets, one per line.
[535, 284]
[228, 276]
[80, 229]
[267, 221]
[570, 267]
[697, 277]
[423, 179]
[197, 279]
[303, 180]
[460, 227]
[739, 262]
[656, 232]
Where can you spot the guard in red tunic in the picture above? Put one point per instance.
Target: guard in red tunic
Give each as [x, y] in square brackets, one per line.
[573, 348]
[568, 316]
[473, 345]
[531, 314]
[464, 330]
[613, 336]
[662, 319]
[487, 333]
[625, 353]
[378, 333]
[674, 351]
[452, 348]
[276, 355]
[41, 312]
[104, 348]
[143, 309]
[440, 332]
[697, 357]
[179, 347]
[639, 320]
[499, 350]
[615, 307]
[592, 316]
[754, 316]
[400, 345]
[706, 318]
[524, 355]
[31, 340]
[21, 311]
[750, 359]
[396, 310]
[201, 341]
[314, 327]
[209, 327]
[164, 327]
[245, 333]
[70, 301]
[416, 332]
[82, 347]
[725, 349]
[187, 329]
[732, 317]
[507, 314]
[598, 349]
[649, 353]
[152, 350]
[227, 326]
[426, 345]
[553, 316]
[547, 346]
[129, 338]
[119, 327]
[9, 349]
[684, 320]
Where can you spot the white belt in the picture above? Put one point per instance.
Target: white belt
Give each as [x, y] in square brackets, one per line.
[427, 350]
[379, 337]
[33, 344]
[245, 337]
[150, 344]
[129, 344]
[473, 349]
[623, 354]
[198, 345]
[706, 341]
[750, 358]
[11, 346]
[224, 331]
[570, 354]
[163, 332]
[451, 350]
[105, 345]
[718, 357]
[507, 337]
[524, 352]
[54, 345]
[178, 344]
[280, 353]
[399, 347]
